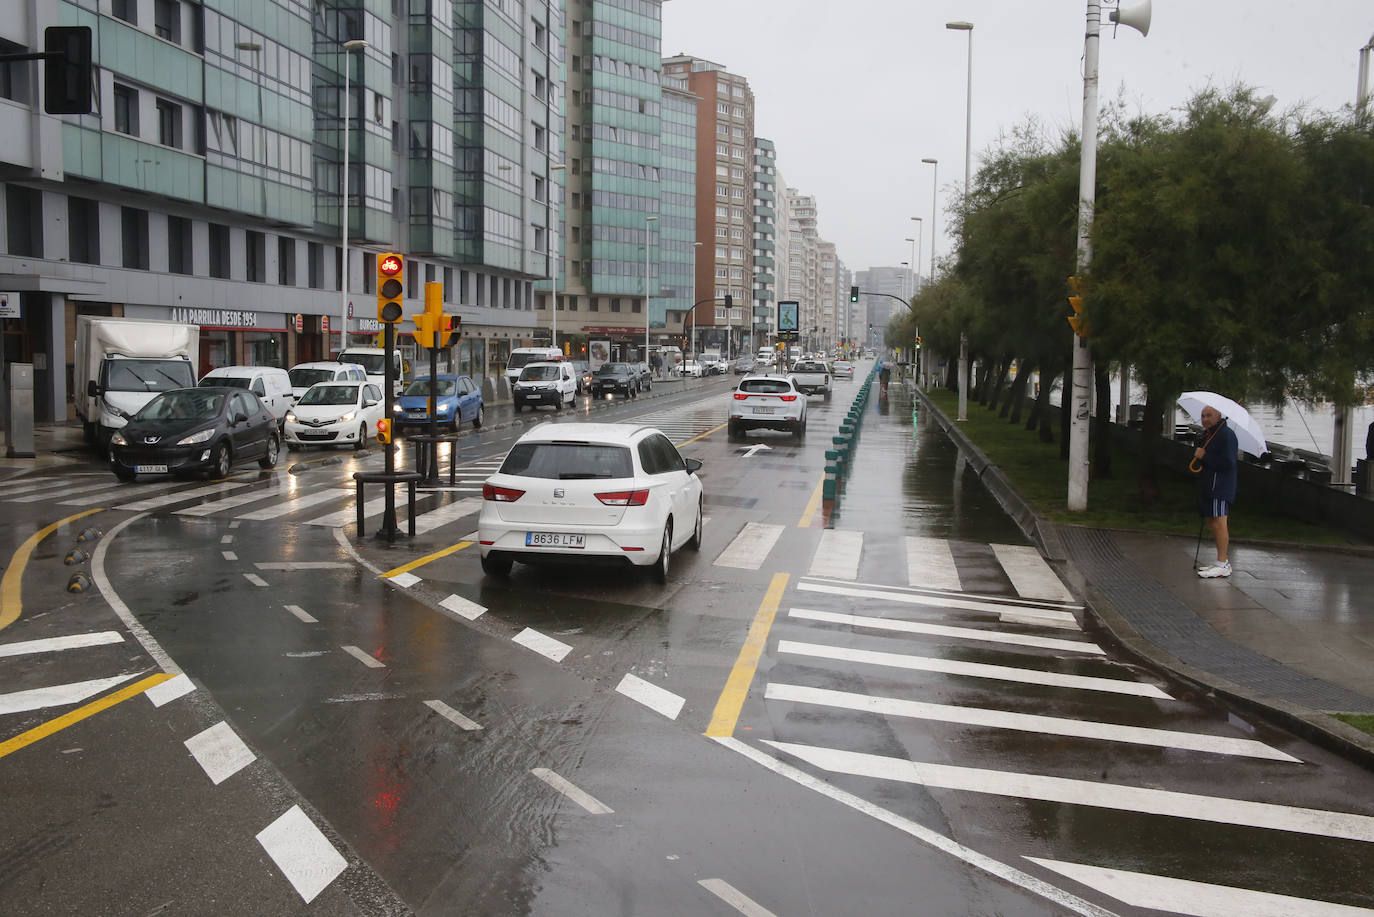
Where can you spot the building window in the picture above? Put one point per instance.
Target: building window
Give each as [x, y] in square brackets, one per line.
[83, 230]
[167, 20]
[595, 305]
[255, 256]
[219, 251]
[126, 110]
[134, 231]
[24, 219]
[179, 258]
[615, 304]
[315, 265]
[168, 123]
[126, 10]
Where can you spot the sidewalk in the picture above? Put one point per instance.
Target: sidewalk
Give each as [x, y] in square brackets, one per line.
[1290, 634]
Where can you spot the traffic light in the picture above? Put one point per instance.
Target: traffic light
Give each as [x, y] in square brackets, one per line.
[1076, 286]
[729, 301]
[390, 290]
[918, 342]
[450, 330]
[384, 431]
[432, 321]
[67, 74]
[853, 294]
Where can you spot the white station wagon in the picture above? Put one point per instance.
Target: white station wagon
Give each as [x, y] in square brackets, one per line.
[590, 493]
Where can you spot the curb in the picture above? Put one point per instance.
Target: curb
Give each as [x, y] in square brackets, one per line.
[1312, 725]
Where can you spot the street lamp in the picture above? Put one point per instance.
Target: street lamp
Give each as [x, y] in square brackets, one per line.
[553, 251]
[934, 194]
[651, 218]
[353, 44]
[968, 160]
[696, 248]
[916, 256]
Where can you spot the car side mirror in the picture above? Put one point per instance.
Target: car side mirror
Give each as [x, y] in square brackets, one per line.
[240, 417]
[92, 389]
[370, 402]
[693, 465]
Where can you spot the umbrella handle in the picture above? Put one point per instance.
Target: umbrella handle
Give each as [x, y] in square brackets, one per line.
[1194, 467]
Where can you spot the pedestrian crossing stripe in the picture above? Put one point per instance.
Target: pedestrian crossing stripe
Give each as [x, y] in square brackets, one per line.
[945, 630]
[982, 603]
[1063, 610]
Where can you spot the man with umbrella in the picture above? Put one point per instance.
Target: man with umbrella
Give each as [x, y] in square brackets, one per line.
[1216, 458]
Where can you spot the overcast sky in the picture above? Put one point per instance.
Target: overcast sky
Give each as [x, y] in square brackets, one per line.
[855, 93]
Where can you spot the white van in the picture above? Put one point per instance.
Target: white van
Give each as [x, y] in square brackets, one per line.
[373, 362]
[304, 375]
[521, 356]
[270, 383]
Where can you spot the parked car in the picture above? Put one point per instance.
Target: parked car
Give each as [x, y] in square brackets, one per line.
[582, 372]
[545, 383]
[206, 429]
[811, 377]
[744, 366]
[615, 378]
[304, 375]
[458, 399]
[690, 368]
[270, 383]
[334, 414]
[767, 402]
[843, 369]
[590, 493]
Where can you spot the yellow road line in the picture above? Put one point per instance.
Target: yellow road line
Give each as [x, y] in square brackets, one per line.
[10, 605]
[25, 739]
[421, 561]
[813, 506]
[742, 675]
[702, 435]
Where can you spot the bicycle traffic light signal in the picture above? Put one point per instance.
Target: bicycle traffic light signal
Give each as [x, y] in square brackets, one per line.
[853, 294]
[390, 290]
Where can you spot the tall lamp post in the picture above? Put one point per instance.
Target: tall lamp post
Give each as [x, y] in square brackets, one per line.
[968, 160]
[696, 248]
[553, 252]
[651, 218]
[920, 244]
[353, 44]
[934, 195]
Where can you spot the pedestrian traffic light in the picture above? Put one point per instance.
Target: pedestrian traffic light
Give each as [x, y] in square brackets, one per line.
[1076, 322]
[390, 290]
[67, 70]
[384, 431]
[853, 294]
[451, 330]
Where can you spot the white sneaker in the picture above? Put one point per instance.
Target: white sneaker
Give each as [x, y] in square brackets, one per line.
[1216, 570]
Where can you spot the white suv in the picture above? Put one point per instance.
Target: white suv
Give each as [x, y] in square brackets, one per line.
[587, 493]
[769, 402]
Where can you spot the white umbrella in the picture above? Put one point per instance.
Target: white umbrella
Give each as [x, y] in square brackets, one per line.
[1249, 434]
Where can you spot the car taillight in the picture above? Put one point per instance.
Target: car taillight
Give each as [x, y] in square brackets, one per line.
[625, 497]
[740, 396]
[788, 397]
[501, 494]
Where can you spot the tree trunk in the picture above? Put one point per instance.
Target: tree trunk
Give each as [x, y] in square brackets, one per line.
[1000, 387]
[1042, 409]
[1017, 396]
[1102, 433]
[1149, 448]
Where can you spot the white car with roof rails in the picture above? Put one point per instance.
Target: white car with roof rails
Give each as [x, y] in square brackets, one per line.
[591, 493]
[767, 402]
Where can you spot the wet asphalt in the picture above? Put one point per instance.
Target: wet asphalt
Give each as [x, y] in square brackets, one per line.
[434, 814]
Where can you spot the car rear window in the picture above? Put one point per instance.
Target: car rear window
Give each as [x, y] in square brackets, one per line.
[568, 461]
[809, 368]
[539, 373]
[765, 386]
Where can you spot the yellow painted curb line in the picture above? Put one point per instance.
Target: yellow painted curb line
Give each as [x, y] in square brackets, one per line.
[703, 435]
[10, 605]
[742, 675]
[813, 506]
[24, 739]
[421, 561]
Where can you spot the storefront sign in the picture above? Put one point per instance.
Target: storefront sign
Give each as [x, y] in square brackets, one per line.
[369, 325]
[9, 305]
[300, 323]
[324, 324]
[223, 318]
[609, 329]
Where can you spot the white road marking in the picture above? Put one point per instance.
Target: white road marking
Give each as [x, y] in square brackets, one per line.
[930, 562]
[277, 510]
[56, 644]
[234, 524]
[1029, 574]
[121, 610]
[905, 598]
[24, 486]
[301, 613]
[181, 496]
[581, 797]
[404, 580]
[302, 853]
[220, 752]
[925, 835]
[57, 695]
[445, 514]
[1026, 722]
[974, 669]
[130, 492]
[367, 659]
[1008, 602]
[545, 646]
[735, 898]
[219, 506]
[255, 579]
[470, 536]
[1196, 899]
[657, 699]
[750, 547]
[452, 715]
[838, 554]
[305, 565]
[1037, 620]
[463, 608]
[343, 517]
[944, 630]
[229, 555]
[66, 490]
[169, 690]
[226, 539]
[1116, 796]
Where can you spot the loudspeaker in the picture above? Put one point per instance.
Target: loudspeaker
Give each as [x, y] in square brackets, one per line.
[1137, 17]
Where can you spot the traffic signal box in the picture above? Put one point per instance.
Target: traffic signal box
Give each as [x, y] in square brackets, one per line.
[67, 70]
[384, 431]
[1076, 322]
[432, 327]
[853, 294]
[390, 289]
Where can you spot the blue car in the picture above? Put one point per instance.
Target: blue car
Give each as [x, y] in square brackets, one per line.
[458, 400]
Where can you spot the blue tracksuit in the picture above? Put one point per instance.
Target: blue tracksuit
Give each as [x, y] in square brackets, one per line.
[1218, 478]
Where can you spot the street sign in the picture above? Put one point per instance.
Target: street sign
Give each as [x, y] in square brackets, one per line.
[9, 305]
[299, 323]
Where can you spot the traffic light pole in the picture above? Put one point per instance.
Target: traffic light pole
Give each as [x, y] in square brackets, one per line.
[389, 531]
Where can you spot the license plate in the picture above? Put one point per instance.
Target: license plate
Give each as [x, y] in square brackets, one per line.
[763, 410]
[554, 540]
[150, 469]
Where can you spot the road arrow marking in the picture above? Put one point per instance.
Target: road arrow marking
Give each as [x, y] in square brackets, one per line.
[753, 449]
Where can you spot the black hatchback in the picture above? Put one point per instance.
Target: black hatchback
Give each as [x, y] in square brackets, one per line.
[196, 429]
[615, 377]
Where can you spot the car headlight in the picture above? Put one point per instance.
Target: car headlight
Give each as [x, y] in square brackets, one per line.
[290, 417]
[201, 437]
[348, 417]
[396, 408]
[118, 439]
[445, 408]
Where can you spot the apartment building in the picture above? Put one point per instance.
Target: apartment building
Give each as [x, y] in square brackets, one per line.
[877, 310]
[765, 242]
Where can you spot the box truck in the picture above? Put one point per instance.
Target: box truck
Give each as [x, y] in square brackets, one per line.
[120, 364]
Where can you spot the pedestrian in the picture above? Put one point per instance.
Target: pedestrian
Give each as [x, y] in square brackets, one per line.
[885, 376]
[657, 364]
[1215, 463]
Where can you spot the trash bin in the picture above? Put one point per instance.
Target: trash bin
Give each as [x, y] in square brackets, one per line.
[19, 417]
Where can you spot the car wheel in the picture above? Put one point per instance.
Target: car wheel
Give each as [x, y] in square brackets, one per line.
[269, 459]
[695, 543]
[477, 420]
[361, 444]
[732, 431]
[800, 429]
[558, 403]
[665, 555]
[220, 460]
[496, 565]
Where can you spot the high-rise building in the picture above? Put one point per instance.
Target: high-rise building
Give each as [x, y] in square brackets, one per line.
[765, 241]
[877, 310]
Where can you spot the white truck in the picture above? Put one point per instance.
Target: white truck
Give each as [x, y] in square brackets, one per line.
[120, 364]
[373, 362]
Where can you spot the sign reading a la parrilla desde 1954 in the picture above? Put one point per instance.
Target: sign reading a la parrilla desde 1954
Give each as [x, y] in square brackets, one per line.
[231, 318]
